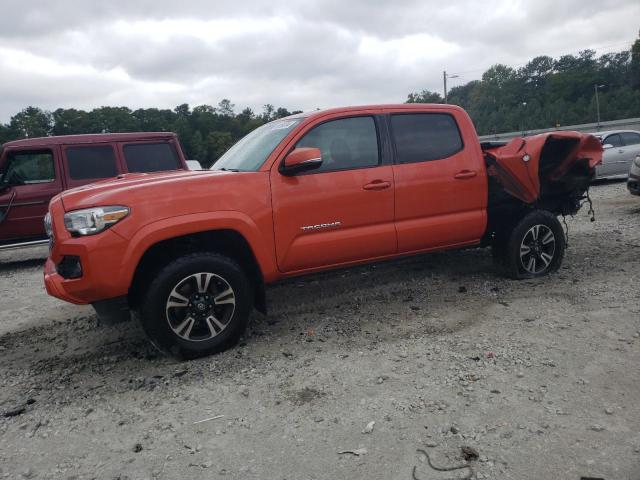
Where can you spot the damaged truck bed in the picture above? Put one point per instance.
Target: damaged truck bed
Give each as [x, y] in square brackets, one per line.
[554, 166]
[550, 171]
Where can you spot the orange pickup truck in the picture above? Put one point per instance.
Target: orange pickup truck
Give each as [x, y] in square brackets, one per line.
[191, 252]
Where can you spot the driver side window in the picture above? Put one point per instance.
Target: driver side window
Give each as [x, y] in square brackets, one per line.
[613, 140]
[346, 144]
[24, 168]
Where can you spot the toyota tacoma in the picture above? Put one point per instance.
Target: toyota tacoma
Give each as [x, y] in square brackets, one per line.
[191, 252]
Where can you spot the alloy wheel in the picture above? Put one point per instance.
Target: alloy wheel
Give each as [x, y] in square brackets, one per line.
[200, 306]
[537, 249]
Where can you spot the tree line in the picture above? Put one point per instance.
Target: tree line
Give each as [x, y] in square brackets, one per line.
[206, 132]
[548, 92]
[544, 93]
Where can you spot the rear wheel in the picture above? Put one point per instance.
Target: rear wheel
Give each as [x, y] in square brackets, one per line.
[197, 305]
[534, 247]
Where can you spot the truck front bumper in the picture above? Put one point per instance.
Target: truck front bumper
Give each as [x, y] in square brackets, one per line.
[84, 270]
[55, 284]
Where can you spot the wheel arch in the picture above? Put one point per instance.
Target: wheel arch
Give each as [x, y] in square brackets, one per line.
[150, 252]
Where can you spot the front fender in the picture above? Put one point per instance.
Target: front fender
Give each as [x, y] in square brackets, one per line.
[261, 243]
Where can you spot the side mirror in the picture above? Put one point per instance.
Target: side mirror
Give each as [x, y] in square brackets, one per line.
[301, 160]
[607, 146]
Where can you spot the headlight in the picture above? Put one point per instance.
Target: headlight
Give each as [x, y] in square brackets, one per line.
[94, 220]
[637, 161]
[47, 225]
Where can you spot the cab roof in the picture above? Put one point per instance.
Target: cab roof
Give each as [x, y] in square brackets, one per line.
[389, 106]
[88, 139]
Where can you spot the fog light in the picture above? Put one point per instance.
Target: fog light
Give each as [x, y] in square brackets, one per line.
[70, 267]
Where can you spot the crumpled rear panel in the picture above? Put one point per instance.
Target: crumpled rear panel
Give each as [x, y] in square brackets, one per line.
[524, 163]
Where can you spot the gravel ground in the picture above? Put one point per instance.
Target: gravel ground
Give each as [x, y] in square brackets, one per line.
[540, 377]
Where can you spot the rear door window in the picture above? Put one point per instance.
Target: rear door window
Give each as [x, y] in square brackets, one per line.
[151, 157]
[91, 162]
[630, 138]
[423, 137]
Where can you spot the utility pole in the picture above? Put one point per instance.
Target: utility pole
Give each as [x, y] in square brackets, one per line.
[523, 117]
[444, 81]
[596, 87]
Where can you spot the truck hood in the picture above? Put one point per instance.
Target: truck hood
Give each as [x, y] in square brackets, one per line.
[528, 166]
[108, 192]
[179, 196]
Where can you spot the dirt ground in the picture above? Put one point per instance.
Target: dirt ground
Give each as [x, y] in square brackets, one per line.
[540, 377]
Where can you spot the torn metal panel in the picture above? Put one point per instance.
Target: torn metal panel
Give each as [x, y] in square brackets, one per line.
[525, 167]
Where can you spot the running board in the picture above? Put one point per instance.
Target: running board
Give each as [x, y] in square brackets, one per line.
[33, 243]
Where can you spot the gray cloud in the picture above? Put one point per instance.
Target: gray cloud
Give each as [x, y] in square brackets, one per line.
[311, 54]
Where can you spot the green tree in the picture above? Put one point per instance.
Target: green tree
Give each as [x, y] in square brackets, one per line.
[5, 134]
[547, 92]
[281, 113]
[31, 122]
[635, 64]
[425, 96]
[154, 119]
[198, 149]
[267, 112]
[113, 120]
[225, 108]
[216, 143]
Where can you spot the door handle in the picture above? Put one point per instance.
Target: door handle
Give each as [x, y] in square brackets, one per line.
[377, 185]
[465, 174]
[620, 151]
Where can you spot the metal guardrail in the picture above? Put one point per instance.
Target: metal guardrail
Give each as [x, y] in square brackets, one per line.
[624, 124]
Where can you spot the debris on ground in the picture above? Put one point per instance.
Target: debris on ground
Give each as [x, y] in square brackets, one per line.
[469, 453]
[440, 468]
[14, 412]
[208, 419]
[369, 427]
[357, 452]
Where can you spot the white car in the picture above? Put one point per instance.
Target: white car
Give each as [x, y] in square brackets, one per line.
[194, 165]
[620, 148]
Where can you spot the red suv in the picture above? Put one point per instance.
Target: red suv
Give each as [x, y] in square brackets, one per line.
[32, 171]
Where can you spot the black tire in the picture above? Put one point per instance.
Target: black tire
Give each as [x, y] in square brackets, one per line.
[541, 233]
[200, 279]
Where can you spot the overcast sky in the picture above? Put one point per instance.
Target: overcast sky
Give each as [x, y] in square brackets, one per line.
[299, 55]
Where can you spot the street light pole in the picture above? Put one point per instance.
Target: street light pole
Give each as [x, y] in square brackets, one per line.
[444, 81]
[596, 86]
[522, 117]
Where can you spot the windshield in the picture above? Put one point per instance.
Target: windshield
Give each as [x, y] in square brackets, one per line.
[251, 151]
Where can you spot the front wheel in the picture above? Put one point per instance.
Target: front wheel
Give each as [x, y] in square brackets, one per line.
[533, 248]
[197, 305]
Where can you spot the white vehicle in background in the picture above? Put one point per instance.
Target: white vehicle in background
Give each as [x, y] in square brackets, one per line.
[193, 165]
[620, 149]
